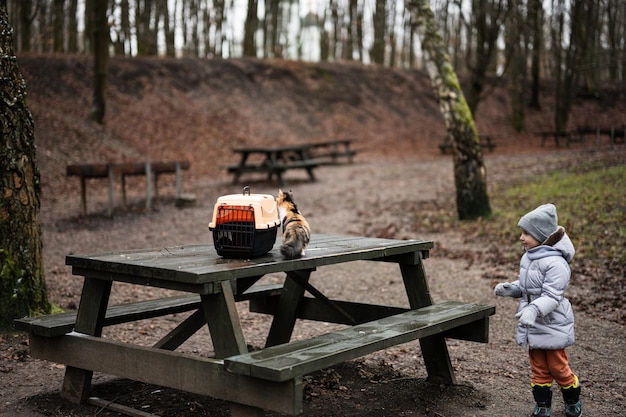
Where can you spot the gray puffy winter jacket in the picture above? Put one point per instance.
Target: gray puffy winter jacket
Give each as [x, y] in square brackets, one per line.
[543, 278]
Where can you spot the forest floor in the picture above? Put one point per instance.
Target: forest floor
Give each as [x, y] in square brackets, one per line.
[403, 192]
[369, 200]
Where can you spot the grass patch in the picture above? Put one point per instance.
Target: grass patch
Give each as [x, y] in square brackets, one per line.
[591, 206]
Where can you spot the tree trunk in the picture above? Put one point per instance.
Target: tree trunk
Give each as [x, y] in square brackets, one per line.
[22, 283]
[535, 17]
[26, 19]
[72, 27]
[487, 17]
[58, 25]
[378, 48]
[101, 60]
[516, 45]
[470, 174]
[250, 28]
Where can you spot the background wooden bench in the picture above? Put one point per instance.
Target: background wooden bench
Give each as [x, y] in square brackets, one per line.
[148, 169]
[485, 142]
[616, 135]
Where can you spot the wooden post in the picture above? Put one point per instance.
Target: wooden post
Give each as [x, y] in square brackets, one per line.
[111, 189]
[148, 186]
[89, 320]
[179, 187]
[220, 312]
[123, 190]
[83, 195]
[285, 318]
[434, 348]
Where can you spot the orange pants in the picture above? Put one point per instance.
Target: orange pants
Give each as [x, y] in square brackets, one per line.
[549, 365]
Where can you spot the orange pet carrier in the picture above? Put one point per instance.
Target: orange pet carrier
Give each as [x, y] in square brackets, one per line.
[244, 225]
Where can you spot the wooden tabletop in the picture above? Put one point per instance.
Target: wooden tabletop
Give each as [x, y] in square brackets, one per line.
[271, 149]
[200, 264]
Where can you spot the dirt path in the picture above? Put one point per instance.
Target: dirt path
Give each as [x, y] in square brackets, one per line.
[369, 198]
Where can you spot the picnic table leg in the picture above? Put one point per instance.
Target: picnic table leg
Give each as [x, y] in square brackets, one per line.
[77, 382]
[311, 174]
[434, 348]
[148, 186]
[285, 319]
[179, 187]
[124, 191]
[83, 195]
[279, 176]
[242, 163]
[111, 190]
[220, 312]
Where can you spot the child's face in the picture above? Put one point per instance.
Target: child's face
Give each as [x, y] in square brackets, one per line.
[529, 241]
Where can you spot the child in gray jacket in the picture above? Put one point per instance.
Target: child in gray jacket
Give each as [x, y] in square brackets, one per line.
[546, 320]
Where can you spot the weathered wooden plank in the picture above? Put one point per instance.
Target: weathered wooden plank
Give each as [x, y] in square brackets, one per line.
[286, 361]
[59, 324]
[125, 168]
[203, 376]
[200, 264]
[88, 170]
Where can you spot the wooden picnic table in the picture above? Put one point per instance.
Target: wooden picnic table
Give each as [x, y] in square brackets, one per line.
[270, 378]
[276, 160]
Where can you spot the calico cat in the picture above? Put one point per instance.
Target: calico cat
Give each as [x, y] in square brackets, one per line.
[296, 230]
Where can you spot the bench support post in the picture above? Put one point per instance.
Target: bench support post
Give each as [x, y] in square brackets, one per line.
[83, 195]
[111, 189]
[77, 382]
[148, 186]
[285, 319]
[434, 348]
[221, 315]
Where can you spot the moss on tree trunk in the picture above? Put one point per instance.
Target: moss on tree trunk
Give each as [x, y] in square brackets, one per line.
[470, 175]
[22, 284]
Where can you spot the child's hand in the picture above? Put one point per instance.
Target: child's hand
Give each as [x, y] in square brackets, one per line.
[528, 316]
[506, 289]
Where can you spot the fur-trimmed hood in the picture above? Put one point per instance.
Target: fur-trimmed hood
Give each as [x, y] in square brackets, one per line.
[558, 243]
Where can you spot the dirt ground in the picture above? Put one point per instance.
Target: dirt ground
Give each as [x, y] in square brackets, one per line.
[366, 198]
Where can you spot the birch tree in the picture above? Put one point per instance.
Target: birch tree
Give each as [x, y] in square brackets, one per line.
[470, 175]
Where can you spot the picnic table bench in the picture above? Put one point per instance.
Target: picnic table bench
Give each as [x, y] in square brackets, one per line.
[276, 160]
[269, 378]
[485, 142]
[110, 170]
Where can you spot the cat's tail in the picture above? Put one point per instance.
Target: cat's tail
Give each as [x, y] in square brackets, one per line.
[294, 243]
[292, 249]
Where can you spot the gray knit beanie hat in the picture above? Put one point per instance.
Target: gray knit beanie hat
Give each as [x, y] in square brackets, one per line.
[541, 222]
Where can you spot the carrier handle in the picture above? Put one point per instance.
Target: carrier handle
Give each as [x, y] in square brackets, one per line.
[246, 190]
